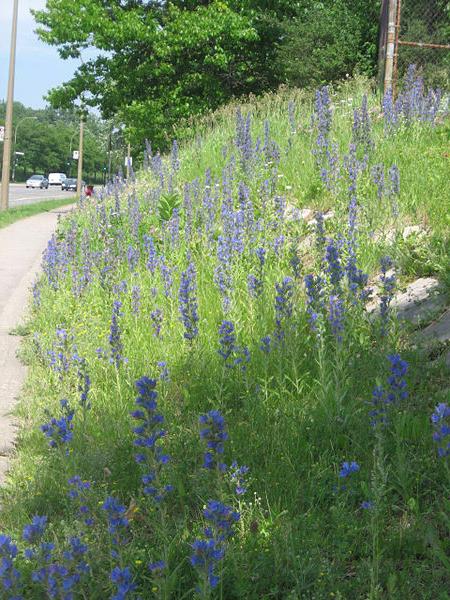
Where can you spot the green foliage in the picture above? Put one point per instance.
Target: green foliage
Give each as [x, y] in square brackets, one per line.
[15, 214]
[47, 137]
[167, 204]
[327, 41]
[159, 63]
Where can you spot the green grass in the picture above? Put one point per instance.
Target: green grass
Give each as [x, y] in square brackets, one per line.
[28, 210]
[293, 415]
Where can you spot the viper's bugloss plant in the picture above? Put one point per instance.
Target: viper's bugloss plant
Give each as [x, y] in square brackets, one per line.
[213, 433]
[118, 524]
[210, 550]
[59, 430]
[148, 433]
[10, 576]
[188, 302]
[440, 420]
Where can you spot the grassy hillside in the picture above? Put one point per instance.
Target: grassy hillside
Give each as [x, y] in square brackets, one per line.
[250, 320]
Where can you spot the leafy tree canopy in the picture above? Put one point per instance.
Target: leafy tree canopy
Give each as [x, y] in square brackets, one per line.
[46, 137]
[158, 62]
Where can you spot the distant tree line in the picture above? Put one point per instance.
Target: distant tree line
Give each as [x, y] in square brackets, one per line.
[159, 62]
[48, 137]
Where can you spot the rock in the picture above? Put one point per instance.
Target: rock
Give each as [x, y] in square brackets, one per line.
[326, 217]
[416, 230]
[420, 301]
[306, 244]
[439, 330]
[388, 237]
[294, 214]
[447, 360]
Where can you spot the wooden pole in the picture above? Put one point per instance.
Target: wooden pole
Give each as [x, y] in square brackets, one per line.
[4, 200]
[128, 161]
[80, 157]
[390, 47]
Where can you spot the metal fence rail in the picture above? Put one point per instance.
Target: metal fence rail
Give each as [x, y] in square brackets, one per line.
[415, 32]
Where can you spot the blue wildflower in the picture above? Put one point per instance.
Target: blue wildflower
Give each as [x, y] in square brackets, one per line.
[188, 302]
[205, 556]
[220, 519]
[152, 261]
[123, 580]
[254, 285]
[84, 385]
[347, 468]
[397, 384]
[283, 306]
[164, 370]
[314, 299]
[115, 341]
[441, 429]
[237, 477]
[378, 412]
[157, 568]
[79, 495]
[147, 435]
[334, 267]
[117, 521]
[10, 577]
[336, 316]
[156, 317]
[59, 431]
[213, 432]
[266, 344]
[227, 339]
[136, 299]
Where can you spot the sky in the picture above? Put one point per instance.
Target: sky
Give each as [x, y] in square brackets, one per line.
[38, 66]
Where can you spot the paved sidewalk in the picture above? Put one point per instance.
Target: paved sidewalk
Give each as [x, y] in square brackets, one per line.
[21, 247]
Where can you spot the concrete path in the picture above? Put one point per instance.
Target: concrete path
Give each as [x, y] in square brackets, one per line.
[21, 247]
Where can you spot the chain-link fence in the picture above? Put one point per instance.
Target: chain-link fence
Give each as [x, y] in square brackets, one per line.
[415, 32]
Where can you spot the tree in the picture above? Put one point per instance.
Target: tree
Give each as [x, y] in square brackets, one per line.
[47, 138]
[325, 41]
[158, 62]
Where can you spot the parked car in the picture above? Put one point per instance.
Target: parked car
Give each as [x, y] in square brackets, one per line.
[37, 181]
[70, 185]
[56, 178]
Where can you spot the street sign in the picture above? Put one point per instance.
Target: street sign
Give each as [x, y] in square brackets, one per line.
[128, 161]
[20, 153]
[75, 155]
[2, 133]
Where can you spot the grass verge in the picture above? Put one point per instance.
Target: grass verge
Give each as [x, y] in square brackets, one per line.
[28, 210]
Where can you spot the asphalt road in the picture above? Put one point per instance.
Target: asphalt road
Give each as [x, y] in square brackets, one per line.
[20, 195]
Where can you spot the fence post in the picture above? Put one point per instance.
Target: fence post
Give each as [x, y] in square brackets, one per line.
[390, 46]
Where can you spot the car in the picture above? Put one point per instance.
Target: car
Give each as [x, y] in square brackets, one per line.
[56, 178]
[37, 181]
[70, 185]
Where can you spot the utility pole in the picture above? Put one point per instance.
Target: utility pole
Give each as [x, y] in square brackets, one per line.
[128, 161]
[80, 156]
[390, 46]
[109, 151]
[4, 200]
